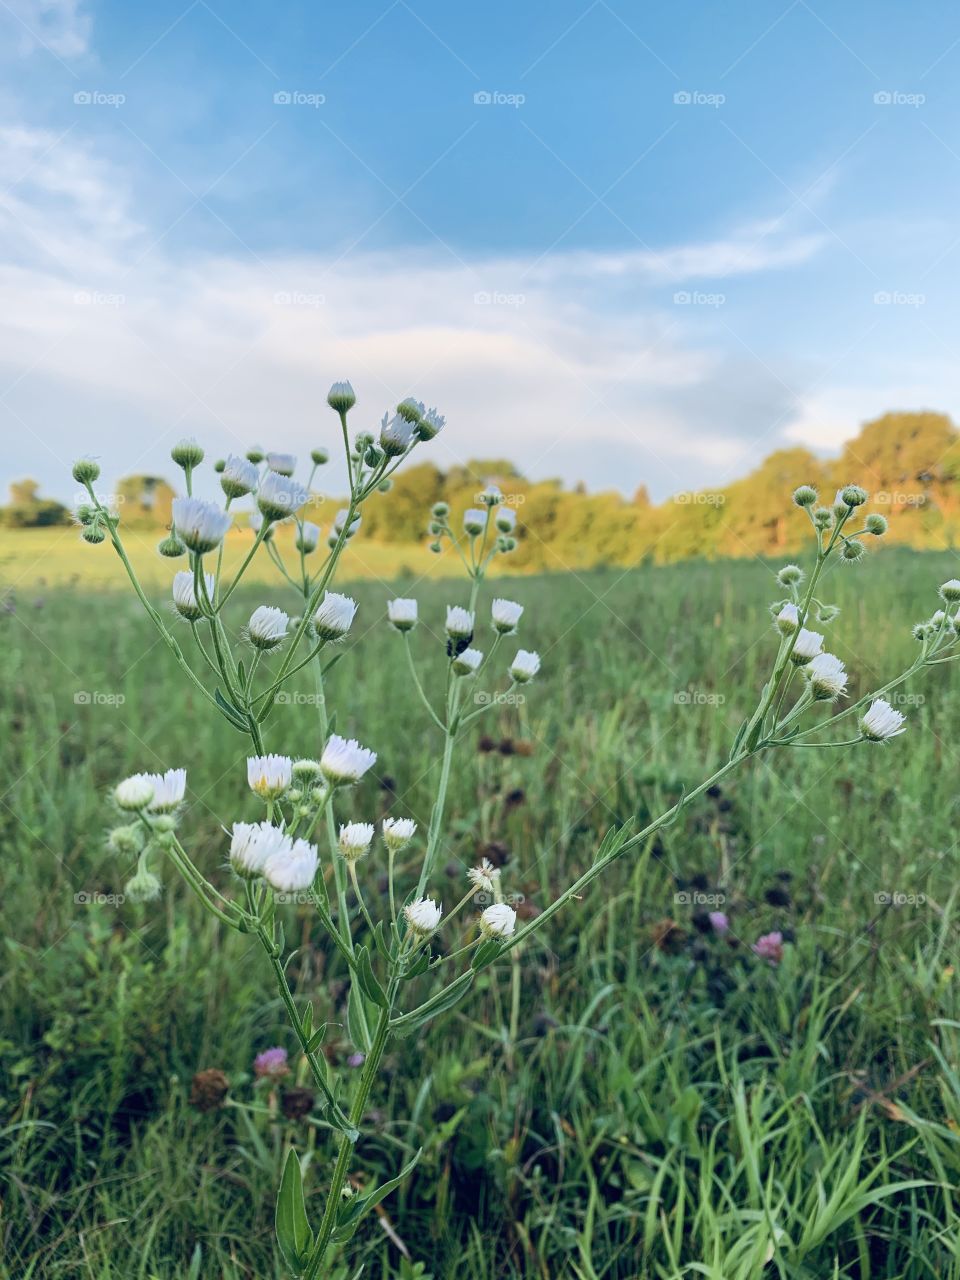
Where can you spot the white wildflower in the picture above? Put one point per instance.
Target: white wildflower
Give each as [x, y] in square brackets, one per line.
[459, 622]
[355, 839]
[291, 869]
[396, 435]
[525, 666]
[184, 595]
[334, 617]
[506, 614]
[133, 793]
[402, 613]
[398, 832]
[498, 921]
[238, 477]
[279, 496]
[467, 662]
[881, 721]
[828, 678]
[267, 627]
[308, 537]
[474, 521]
[269, 776]
[200, 524]
[806, 646]
[344, 761]
[251, 844]
[431, 424]
[285, 464]
[482, 875]
[423, 916]
[168, 790]
[788, 619]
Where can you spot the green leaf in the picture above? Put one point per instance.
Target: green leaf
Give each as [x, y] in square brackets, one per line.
[485, 954]
[230, 711]
[317, 1039]
[293, 1230]
[380, 940]
[420, 965]
[367, 978]
[439, 1003]
[357, 1024]
[356, 1209]
[306, 1021]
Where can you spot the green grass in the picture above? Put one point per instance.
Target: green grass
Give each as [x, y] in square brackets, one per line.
[668, 1109]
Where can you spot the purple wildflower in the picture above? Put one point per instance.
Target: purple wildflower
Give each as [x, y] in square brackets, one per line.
[271, 1064]
[719, 922]
[769, 947]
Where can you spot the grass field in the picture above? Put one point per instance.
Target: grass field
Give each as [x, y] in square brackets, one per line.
[668, 1105]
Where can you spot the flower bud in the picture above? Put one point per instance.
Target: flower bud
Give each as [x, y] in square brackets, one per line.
[398, 832]
[402, 614]
[853, 495]
[823, 517]
[430, 425]
[876, 524]
[788, 619]
[790, 575]
[411, 410]
[93, 533]
[255, 454]
[805, 496]
[951, 590]
[441, 510]
[319, 456]
[355, 840]
[172, 546]
[422, 917]
[498, 921]
[143, 886]
[341, 397]
[85, 514]
[239, 477]
[474, 521]
[220, 466]
[467, 661]
[267, 627]
[86, 471]
[187, 453]
[127, 841]
[853, 549]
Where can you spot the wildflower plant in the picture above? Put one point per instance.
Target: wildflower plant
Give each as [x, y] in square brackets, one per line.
[301, 835]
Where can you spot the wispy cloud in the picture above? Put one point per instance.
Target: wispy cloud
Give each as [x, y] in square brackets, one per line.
[59, 26]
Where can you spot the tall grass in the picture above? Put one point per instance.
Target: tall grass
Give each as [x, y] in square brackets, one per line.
[667, 1107]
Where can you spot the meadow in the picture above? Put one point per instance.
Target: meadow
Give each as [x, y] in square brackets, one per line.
[642, 1096]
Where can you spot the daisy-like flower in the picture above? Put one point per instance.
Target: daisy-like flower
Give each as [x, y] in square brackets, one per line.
[279, 496]
[828, 677]
[431, 424]
[200, 524]
[267, 627]
[423, 917]
[168, 790]
[184, 595]
[344, 761]
[411, 410]
[506, 614]
[788, 619]
[474, 521]
[396, 434]
[769, 947]
[238, 477]
[506, 519]
[467, 662]
[498, 921]
[398, 832]
[355, 840]
[285, 464]
[269, 776]
[402, 614]
[251, 844]
[806, 646]
[951, 590]
[341, 397]
[308, 536]
[255, 520]
[292, 867]
[133, 793]
[482, 875]
[334, 617]
[881, 721]
[525, 666]
[459, 622]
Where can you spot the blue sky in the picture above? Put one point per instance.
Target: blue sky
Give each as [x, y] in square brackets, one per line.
[628, 244]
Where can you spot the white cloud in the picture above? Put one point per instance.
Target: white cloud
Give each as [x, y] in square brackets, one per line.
[59, 26]
[114, 344]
